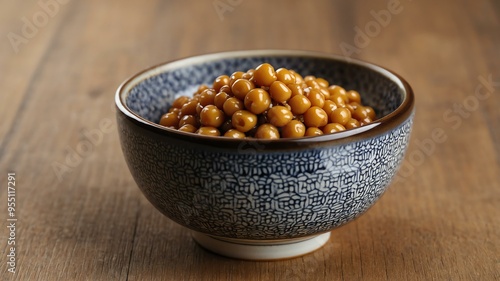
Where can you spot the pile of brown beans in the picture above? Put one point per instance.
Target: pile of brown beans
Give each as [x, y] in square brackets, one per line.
[267, 104]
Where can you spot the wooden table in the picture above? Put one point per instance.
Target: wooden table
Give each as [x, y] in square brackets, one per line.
[80, 216]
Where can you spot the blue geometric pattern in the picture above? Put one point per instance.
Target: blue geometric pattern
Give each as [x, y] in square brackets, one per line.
[263, 195]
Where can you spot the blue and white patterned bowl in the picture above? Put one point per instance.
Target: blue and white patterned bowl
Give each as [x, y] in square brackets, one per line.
[259, 193]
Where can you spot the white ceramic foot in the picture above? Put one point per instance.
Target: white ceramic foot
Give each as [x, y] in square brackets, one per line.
[261, 250]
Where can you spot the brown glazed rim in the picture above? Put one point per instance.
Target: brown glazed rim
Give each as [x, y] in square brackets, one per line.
[378, 127]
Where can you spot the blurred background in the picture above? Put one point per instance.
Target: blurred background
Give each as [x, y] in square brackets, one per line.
[83, 218]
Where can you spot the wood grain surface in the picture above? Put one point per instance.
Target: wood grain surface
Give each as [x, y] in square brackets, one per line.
[80, 216]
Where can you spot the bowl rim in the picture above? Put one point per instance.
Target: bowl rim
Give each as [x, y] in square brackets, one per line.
[380, 126]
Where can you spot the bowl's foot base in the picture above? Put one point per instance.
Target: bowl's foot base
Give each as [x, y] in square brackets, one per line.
[261, 250]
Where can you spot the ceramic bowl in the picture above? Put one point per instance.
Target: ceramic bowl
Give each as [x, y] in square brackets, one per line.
[262, 200]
